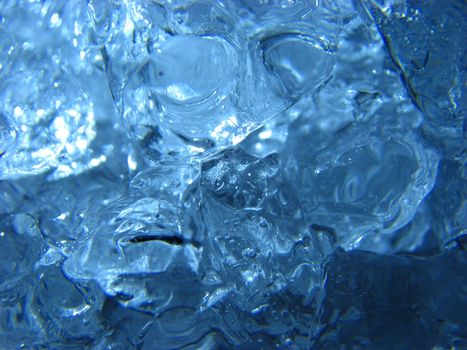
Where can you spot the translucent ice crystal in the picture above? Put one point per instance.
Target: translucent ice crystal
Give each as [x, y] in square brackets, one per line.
[250, 222]
[47, 119]
[144, 239]
[237, 74]
[344, 184]
[234, 174]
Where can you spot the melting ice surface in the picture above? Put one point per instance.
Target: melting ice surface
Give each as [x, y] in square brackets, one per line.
[233, 174]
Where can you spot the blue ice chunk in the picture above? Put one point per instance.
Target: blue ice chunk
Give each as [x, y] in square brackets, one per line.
[128, 325]
[447, 201]
[250, 223]
[363, 182]
[167, 180]
[18, 324]
[132, 244]
[184, 174]
[47, 127]
[47, 116]
[428, 47]
[427, 44]
[253, 74]
[70, 315]
[394, 301]
[21, 247]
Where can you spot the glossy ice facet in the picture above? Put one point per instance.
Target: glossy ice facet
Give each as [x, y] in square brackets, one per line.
[233, 174]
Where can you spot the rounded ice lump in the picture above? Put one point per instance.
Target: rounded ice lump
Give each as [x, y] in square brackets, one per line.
[364, 182]
[235, 77]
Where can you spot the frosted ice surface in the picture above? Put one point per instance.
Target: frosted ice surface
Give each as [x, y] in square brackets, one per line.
[47, 120]
[47, 115]
[195, 174]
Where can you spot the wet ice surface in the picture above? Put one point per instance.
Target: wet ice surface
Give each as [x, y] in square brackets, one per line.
[232, 174]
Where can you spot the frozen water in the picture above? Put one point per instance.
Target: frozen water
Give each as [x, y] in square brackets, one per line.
[368, 295]
[250, 224]
[21, 247]
[343, 184]
[48, 126]
[254, 71]
[49, 75]
[431, 72]
[194, 174]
